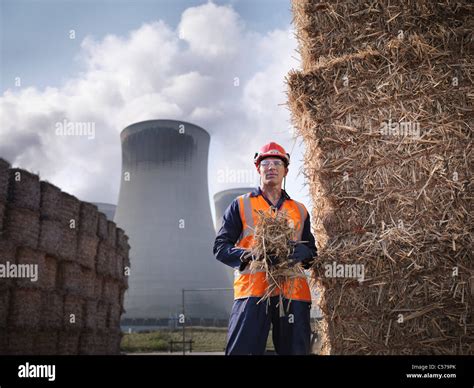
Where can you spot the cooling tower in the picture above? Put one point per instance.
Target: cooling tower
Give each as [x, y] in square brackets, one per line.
[164, 208]
[223, 199]
[107, 208]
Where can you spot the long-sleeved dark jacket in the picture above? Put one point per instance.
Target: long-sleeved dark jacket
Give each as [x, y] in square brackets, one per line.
[229, 233]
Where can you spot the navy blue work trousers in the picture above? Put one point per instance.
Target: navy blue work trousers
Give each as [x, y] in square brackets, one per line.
[250, 323]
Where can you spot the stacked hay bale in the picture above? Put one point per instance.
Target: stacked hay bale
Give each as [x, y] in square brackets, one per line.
[384, 105]
[75, 305]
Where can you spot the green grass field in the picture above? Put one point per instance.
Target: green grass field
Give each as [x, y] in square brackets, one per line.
[205, 340]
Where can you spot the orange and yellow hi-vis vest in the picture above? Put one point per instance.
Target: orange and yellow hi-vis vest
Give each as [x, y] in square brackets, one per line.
[249, 283]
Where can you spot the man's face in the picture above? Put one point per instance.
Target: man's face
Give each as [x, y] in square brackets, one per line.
[272, 171]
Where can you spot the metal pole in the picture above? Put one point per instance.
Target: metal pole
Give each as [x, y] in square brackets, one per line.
[184, 326]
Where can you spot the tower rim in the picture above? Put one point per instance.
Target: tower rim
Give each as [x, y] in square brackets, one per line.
[133, 128]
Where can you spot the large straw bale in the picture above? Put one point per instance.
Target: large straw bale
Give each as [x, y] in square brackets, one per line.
[68, 342]
[4, 177]
[28, 262]
[384, 106]
[4, 308]
[102, 226]
[22, 226]
[87, 249]
[52, 311]
[21, 342]
[114, 337]
[74, 313]
[51, 236]
[25, 307]
[24, 189]
[50, 201]
[46, 343]
[7, 257]
[89, 217]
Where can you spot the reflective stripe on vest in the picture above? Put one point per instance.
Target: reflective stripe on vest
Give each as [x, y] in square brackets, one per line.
[253, 283]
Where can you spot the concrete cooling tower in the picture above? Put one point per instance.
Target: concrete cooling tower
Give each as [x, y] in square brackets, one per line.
[164, 208]
[223, 199]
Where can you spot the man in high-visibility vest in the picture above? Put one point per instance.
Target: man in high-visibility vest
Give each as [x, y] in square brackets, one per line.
[250, 321]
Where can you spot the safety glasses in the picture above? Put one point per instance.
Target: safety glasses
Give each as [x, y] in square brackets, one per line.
[267, 163]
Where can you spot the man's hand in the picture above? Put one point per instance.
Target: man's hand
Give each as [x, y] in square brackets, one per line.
[272, 260]
[301, 253]
[245, 257]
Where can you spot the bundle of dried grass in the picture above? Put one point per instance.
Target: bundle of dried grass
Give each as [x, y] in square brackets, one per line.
[112, 234]
[27, 258]
[22, 226]
[52, 311]
[91, 315]
[115, 313]
[24, 189]
[114, 337]
[42, 226]
[119, 266]
[331, 29]
[4, 177]
[102, 315]
[74, 279]
[68, 244]
[2, 215]
[21, 342]
[4, 174]
[4, 307]
[88, 282]
[50, 201]
[24, 308]
[46, 342]
[123, 247]
[3, 343]
[102, 228]
[384, 105]
[49, 273]
[51, 232]
[111, 290]
[68, 342]
[87, 249]
[74, 314]
[274, 241]
[98, 286]
[102, 258]
[7, 255]
[89, 217]
[93, 343]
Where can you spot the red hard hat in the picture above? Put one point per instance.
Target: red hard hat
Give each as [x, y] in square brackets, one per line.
[274, 150]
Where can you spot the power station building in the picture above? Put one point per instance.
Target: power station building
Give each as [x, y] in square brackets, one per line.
[164, 208]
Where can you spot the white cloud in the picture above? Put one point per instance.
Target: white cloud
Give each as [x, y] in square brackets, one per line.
[212, 31]
[156, 72]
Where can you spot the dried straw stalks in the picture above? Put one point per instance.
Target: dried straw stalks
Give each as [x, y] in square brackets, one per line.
[384, 104]
[274, 241]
